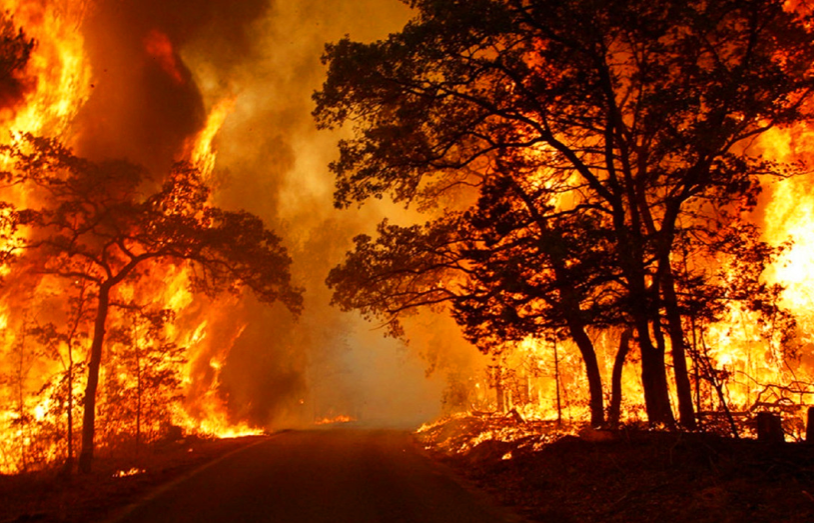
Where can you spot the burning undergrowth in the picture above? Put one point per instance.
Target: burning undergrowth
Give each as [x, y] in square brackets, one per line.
[467, 433]
[573, 474]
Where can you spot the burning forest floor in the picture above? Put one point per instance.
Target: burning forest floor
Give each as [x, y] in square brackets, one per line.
[51, 496]
[549, 475]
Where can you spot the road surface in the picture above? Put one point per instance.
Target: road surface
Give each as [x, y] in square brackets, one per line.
[330, 476]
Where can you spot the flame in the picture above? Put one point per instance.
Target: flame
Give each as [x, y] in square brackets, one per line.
[59, 66]
[342, 418]
[201, 152]
[130, 472]
[747, 357]
[33, 424]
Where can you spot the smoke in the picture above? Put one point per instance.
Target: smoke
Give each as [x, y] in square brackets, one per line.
[159, 66]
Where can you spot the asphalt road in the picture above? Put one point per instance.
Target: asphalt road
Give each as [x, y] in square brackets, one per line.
[331, 476]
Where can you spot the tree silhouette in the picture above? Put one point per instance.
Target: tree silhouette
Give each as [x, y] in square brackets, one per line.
[109, 223]
[15, 51]
[631, 120]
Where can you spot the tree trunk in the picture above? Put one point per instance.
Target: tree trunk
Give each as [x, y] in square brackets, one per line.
[644, 310]
[586, 349]
[89, 415]
[615, 409]
[654, 379]
[70, 407]
[25, 423]
[139, 392]
[500, 392]
[138, 413]
[557, 383]
[682, 377]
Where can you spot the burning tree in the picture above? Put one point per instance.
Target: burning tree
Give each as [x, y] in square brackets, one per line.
[579, 157]
[111, 223]
[15, 51]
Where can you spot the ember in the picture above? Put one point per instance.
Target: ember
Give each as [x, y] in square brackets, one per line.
[127, 473]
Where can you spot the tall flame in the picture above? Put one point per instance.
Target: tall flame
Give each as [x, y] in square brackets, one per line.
[60, 82]
[59, 66]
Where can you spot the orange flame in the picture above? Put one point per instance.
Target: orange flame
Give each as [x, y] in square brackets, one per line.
[61, 67]
[59, 63]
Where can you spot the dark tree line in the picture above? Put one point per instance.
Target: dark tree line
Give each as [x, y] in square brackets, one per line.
[586, 165]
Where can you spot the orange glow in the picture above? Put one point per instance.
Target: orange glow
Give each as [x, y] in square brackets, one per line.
[335, 420]
[538, 385]
[127, 473]
[33, 416]
[58, 66]
[201, 150]
[159, 46]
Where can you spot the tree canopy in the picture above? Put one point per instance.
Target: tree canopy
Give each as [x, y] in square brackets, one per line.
[585, 144]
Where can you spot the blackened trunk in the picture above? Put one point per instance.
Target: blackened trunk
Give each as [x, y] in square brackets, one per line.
[644, 310]
[89, 415]
[139, 393]
[615, 409]
[654, 379]
[682, 376]
[586, 349]
[70, 407]
[499, 390]
[557, 383]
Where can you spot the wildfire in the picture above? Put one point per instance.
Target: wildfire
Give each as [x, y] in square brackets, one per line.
[157, 377]
[162, 373]
[59, 73]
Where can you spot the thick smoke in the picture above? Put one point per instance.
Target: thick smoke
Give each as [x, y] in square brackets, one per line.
[159, 66]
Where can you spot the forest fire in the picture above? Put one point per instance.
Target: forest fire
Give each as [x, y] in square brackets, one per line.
[159, 369]
[594, 280]
[577, 242]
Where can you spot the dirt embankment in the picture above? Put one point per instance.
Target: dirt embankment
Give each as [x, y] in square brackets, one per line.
[636, 476]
